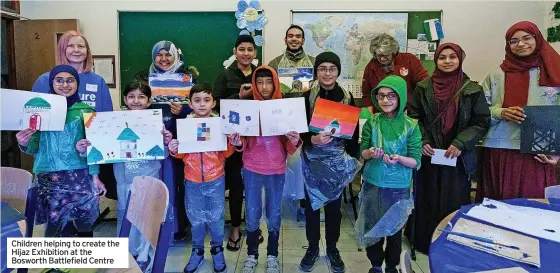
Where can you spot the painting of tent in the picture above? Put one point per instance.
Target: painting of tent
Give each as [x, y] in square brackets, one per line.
[35, 112]
[336, 118]
[124, 136]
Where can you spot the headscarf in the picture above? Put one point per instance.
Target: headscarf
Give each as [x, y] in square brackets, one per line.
[173, 50]
[446, 84]
[517, 68]
[68, 69]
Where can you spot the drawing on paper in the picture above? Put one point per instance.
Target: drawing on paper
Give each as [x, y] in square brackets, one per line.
[338, 119]
[278, 117]
[240, 116]
[124, 136]
[295, 80]
[170, 87]
[538, 134]
[202, 132]
[37, 111]
[200, 135]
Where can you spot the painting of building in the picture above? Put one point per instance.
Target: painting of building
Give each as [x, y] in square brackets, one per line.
[127, 140]
[36, 111]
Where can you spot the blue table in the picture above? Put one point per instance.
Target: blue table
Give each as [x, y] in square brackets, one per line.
[449, 257]
[11, 222]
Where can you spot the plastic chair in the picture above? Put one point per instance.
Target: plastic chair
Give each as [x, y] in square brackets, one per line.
[552, 192]
[146, 209]
[17, 190]
[406, 264]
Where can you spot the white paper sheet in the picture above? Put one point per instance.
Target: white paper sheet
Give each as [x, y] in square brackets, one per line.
[533, 221]
[278, 117]
[124, 136]
[24, 109]
[200, 135]
[417, 47]
[240, 116]
[506, 270]
[439, 159]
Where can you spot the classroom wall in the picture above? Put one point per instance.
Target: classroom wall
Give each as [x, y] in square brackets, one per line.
[478, 26]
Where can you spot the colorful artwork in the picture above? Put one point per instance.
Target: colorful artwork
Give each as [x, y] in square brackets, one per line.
[170, 87]
[295, 80]
[240, 116]
[538, 134]
[338, 119]
[278, 117]
[38, 111]
[200, 135]
[124, 136]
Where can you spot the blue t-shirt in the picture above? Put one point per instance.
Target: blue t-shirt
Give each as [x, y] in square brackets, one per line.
[93, 90]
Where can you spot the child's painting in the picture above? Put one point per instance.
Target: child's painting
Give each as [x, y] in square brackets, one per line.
[295, 80]
[278, 117]
[38, 111]
[170, 87]
[124, 136]
[338, 119]
[540, 134]
[200, 135]
[240, 116]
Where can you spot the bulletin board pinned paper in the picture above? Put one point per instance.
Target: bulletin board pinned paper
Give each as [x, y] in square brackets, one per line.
[200, 135]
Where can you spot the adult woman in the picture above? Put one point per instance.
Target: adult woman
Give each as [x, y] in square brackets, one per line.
[168, 59]
[453, 116]
[387, 60]
[74, 50]
[529, 75]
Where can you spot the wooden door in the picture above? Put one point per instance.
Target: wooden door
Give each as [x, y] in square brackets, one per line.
[35, 46]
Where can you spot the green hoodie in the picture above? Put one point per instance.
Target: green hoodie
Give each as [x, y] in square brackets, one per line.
[399, 135]
[56, 151]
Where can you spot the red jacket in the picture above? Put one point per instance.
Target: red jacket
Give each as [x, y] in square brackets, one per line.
[206, 166]
[406, 65]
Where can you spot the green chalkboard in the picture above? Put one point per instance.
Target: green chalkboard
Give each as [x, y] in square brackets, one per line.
[416, 26]
[205, 38]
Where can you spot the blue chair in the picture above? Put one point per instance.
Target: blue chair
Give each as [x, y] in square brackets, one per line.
[146, 209]
[17, 190]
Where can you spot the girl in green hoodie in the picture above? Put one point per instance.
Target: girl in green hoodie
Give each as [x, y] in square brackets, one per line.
[69, 189]
[391, 147]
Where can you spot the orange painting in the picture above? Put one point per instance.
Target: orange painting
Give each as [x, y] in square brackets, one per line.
[336, 118]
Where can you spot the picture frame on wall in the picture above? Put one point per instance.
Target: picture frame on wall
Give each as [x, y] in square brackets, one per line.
[104, 66]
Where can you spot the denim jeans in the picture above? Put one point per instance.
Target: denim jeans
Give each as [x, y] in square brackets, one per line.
[205, 206]
[273, 187]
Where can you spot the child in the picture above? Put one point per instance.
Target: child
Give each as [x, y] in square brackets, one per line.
[205, 187]
[137, 96]
[68, 201]
[264, 165]
[392, 147]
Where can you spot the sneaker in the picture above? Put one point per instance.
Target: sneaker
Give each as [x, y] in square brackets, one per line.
[376, 269]
[307, 263]
[335, 261]
[250, 265]
[195, 262]
[272, 264]
[218, 259]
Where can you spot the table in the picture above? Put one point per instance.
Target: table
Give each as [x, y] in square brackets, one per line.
[449, 257]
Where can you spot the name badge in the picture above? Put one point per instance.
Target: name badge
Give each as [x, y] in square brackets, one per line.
[91, 87]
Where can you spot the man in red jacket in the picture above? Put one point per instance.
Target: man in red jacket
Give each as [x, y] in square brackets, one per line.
[388, 61]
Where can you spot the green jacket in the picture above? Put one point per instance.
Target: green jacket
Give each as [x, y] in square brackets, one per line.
[399, 135]
[56, 151]
[292, 60]
[473, 119]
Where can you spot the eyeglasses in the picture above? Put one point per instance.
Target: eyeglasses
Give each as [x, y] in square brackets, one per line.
[390, 96]
[61, 81]
[323, 70]
[525, 39]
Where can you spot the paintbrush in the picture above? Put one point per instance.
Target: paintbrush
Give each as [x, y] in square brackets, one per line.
[482, 239]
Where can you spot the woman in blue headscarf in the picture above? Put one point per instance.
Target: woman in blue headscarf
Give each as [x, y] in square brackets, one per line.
[68, 201]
